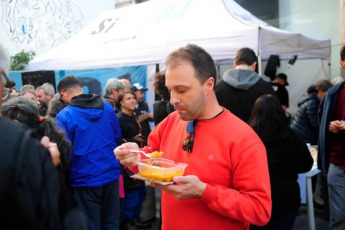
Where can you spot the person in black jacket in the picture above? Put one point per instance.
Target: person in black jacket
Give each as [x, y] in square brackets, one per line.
[161, 108]
[287, 156]
[29, 182]
[135, 191]
[278, 85]
[240, 87]
[306, 122]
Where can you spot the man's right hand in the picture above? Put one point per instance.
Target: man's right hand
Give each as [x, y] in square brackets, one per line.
[124, 155]
[335, 126]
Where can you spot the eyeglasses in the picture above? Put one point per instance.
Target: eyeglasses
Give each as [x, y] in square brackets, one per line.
[4, 77]
[188, 142]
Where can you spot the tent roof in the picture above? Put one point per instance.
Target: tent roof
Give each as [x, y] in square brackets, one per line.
[146, 33]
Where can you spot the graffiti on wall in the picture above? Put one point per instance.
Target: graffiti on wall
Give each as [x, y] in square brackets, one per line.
[39, 25]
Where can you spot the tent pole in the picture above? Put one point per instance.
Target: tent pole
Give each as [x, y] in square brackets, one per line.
[260, 65]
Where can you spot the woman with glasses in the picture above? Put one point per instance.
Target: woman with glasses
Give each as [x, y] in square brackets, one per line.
[287, 156]
[134, 189]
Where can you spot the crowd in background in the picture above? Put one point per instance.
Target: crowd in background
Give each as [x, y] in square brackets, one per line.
[76, 182]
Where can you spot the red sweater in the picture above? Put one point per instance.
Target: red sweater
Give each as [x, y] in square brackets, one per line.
[231, 159]
[337, 152]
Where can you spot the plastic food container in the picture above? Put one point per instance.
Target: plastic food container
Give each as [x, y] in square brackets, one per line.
[160, 169]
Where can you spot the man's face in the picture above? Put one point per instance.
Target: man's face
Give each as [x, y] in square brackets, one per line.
[42, 97]
[140, 95]
[66, 95]
[186, 93]
[115, 93]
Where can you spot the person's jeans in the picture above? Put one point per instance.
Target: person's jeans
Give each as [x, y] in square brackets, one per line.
[101, 205]
[336, 191]
[282, 221]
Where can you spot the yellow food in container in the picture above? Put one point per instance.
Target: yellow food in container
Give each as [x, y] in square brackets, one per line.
[156, 154]
[160, 169]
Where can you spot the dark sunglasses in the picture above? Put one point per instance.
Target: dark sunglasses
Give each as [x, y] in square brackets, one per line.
[188, 142]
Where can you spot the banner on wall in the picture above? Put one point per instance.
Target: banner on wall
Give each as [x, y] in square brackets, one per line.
[94, 80]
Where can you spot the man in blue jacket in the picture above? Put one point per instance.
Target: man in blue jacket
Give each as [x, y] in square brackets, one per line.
[331, 149]
[92, 128]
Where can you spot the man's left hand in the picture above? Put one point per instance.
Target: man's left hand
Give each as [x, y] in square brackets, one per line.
[185, 187]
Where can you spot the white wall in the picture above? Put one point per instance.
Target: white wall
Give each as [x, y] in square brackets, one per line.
[40, 25]
[314, 18]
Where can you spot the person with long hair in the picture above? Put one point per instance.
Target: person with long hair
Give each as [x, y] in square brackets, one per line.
[287, 156]
[23, 110]
[134, 189]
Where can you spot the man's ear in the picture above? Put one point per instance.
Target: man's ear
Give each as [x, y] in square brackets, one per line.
[209, 84]
[342, 64]
[253, 66]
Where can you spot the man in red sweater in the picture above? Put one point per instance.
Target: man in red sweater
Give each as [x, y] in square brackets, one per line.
[226, 184]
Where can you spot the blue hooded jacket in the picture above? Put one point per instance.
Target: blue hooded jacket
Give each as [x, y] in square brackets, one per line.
[92, 128]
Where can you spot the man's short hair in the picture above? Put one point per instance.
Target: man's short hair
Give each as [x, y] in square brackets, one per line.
[113, 83]
[68, 82]
[245, 56]
[201, 60]
[342, 53]
[47, 88]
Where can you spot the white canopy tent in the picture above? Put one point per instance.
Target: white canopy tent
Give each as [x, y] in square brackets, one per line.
[146, 33]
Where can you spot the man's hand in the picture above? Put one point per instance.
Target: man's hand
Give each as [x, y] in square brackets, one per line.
[185, 187]
[54, 151]
[335, 126]
[145, 116]
[124, 155]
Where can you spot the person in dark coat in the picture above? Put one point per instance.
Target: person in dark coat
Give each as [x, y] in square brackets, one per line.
[306, 122]
[135, 191]
[278, 85]
[162, 107]
[29, 182]
[241, 86]
[287, 156]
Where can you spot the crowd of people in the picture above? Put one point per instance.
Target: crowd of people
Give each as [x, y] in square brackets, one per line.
[66, 159]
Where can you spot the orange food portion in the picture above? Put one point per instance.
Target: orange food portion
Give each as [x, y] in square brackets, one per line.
[160, 169]
[161, 177]
[156, 154]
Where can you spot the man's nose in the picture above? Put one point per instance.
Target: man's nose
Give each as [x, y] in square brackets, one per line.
[173, 98]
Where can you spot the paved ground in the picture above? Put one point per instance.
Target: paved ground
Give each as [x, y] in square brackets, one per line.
[300, 224]
[302, 221]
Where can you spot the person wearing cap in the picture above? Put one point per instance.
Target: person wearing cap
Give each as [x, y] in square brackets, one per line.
[278, 85]
[331, 148]
[241, 86]
[142, 109]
